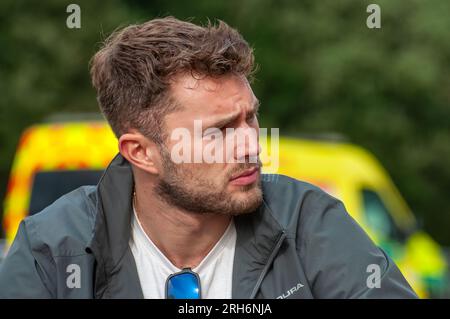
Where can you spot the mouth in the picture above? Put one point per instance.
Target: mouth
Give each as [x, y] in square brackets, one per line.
[247, 177]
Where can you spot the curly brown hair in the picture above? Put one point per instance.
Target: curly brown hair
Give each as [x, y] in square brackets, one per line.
[131, 72]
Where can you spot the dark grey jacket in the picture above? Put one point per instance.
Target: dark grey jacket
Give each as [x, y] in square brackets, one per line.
[301, 243]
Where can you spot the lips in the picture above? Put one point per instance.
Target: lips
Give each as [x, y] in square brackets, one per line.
[247, 177]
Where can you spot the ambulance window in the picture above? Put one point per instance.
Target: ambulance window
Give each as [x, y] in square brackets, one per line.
[379, 218]
[49, 186]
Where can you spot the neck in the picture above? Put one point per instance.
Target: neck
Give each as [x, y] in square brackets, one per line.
[185, 238]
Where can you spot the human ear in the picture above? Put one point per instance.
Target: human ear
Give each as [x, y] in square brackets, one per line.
[140, 151]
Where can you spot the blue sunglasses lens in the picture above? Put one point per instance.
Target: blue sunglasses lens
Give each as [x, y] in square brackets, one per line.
[184, 285]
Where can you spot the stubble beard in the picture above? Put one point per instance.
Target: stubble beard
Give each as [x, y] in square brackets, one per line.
[186, 189]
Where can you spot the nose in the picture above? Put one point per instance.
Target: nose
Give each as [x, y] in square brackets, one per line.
[247, 145]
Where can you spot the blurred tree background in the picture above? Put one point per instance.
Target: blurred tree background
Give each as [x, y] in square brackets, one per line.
[321, 70]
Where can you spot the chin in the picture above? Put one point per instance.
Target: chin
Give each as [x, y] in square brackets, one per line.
[248, 200]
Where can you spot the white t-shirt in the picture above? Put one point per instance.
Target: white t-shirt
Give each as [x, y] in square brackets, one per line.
[153, 267]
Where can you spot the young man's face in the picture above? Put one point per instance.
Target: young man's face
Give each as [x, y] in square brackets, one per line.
[210, 157]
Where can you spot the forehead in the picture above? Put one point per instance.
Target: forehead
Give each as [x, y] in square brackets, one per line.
[212, 96]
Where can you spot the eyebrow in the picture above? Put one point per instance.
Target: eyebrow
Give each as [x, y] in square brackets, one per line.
[233, 117]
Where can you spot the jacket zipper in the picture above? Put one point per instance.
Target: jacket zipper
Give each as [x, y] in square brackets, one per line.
[268, 264]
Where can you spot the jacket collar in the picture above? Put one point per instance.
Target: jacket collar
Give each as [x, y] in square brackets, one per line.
[259, 236]
[109, 242]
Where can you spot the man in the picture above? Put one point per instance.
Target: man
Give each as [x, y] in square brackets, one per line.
[156, 226]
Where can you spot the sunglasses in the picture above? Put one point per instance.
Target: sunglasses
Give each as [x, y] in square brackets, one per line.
[183, 285]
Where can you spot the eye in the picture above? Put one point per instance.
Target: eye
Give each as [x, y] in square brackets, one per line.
[214, 130]
[252, 116]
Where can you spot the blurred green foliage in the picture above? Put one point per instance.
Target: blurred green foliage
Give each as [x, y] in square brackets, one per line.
[320, 70]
